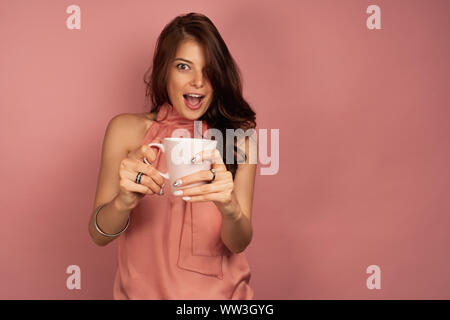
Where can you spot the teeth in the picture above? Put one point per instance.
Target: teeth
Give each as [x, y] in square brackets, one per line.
[195, 95]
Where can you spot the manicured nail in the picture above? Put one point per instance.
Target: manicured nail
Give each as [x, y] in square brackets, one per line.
[178, 193]
[196, 158]
[186, 198]
[177, 183]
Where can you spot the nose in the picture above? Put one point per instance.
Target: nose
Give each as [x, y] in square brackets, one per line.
[198, 79]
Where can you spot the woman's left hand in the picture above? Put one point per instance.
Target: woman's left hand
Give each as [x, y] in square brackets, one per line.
[220, 191]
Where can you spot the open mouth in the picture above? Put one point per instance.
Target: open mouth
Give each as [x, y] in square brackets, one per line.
[193, 101]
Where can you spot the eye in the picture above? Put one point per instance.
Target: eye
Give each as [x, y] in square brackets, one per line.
[182, 64]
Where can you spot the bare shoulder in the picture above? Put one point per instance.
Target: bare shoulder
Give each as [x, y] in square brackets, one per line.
[131, 128]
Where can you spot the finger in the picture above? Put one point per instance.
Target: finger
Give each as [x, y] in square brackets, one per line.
[220, 186]
[202, 175]
[148, 170]
[149, 153]
[132, 186]
[145, 180]
[153, 150]
[210, 155]
[215, 196]
[144, 151]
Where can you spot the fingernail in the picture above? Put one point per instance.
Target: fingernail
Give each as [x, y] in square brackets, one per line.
[178, 193]
[177, 183]
[196, 158]
[186, 198]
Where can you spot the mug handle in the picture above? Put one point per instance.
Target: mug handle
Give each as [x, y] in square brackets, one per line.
[158, 145]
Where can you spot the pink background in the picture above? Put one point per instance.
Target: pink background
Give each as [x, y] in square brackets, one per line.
[364, 140]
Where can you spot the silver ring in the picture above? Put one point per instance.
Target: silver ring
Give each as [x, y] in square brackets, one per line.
[138, 177]
[214, 175]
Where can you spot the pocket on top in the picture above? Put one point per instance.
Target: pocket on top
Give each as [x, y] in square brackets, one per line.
[206, 229]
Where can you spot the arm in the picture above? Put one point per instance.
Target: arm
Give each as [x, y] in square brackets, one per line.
[237, 229]
[113, 217]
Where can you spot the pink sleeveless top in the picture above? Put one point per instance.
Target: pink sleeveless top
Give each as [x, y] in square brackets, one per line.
[173, 249]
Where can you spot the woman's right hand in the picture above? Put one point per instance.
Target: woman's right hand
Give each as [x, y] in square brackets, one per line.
[151, 181]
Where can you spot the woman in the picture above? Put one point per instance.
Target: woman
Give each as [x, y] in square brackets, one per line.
[173, 246]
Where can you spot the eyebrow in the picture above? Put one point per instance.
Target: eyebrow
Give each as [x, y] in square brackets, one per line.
[184, 60]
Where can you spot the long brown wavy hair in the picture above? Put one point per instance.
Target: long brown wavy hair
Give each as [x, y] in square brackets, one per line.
[228, 108]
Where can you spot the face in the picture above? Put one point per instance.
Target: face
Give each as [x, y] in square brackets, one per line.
[186, 75]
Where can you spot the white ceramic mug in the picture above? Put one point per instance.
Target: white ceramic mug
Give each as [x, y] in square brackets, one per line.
[178, 153]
